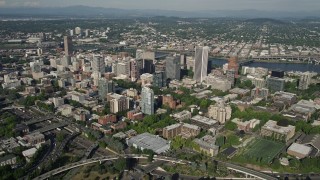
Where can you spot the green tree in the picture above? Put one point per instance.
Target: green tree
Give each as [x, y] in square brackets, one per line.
[230, 126]
[205, 103]
[120, 164]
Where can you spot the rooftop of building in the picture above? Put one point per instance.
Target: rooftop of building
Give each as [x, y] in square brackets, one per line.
[191, 126]
[207, 142]
[7, 157]
[116, 96]
[272, 125]
[181, 113]
[35, 134]
[149, 141]
[204, 120]
[239, 91]
[173, 126]
[300, 148]
[120, 135]
[313, 140]
[284, 94]
[29, 152]
[244, 123]
[302, 108]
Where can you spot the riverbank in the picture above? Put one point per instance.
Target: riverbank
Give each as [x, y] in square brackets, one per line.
[263, 60]
[280, 61]
[272, 65]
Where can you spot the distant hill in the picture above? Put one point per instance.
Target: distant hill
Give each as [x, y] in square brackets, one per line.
[265, 21]
[85, 11]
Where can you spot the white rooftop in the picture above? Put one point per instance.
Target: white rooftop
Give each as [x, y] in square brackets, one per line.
[204, 120]
[272, 125]
[300, 148]
[29, 152]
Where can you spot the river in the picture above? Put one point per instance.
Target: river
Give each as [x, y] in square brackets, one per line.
[273, 66]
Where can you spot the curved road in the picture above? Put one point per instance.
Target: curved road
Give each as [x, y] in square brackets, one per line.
[101, 159]
[248, 171]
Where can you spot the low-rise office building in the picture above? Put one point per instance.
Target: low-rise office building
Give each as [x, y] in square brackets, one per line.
[183, 115]
[34, 138]
[8, 160]
[262, 93]
[285, 97]
[207, 145]
[203, 122]
[299, 151]
[271, 129]
[314, 142]
[9, 144]
[218, 83]
[240, 91]
[246, 125]
[81, 114]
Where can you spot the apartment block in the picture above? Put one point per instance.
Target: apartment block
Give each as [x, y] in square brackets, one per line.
[181, 129]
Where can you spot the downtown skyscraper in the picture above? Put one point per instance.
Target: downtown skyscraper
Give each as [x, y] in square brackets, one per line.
[105, 87]
[173, 69]
[67, 45]
[201, 63]
[98, 64]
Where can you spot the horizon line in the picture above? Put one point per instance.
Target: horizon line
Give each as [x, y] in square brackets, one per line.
[205, 10]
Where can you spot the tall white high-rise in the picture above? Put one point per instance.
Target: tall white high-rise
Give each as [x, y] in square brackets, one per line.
[147, 101]
[71, 32]
[201, 63]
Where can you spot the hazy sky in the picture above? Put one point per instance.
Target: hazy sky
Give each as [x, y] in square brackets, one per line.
[186, 5]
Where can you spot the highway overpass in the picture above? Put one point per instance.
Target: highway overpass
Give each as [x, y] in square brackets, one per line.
[38, 120]
[250, 173]
[52, 127]
[102, 159]
[240, 169]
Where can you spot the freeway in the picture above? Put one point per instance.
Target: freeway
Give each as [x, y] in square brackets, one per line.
[102, 159]
[38, 120]
[237, 168]
[90, 150]
[247, 171]
[52, 127]
[45, 157]
[73, 165]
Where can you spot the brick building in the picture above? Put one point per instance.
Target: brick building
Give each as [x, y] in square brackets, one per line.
[107, 119]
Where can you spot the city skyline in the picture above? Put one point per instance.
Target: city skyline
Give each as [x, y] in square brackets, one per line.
[188, 5]
[112, 93]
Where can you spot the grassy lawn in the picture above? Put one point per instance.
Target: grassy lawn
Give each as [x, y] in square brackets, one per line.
[262, 150]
